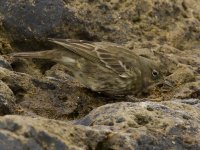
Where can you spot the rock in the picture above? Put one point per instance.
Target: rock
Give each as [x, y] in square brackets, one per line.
[124, 125]
[5, 47]
[4, 63]
[189, 90]
[7, 99]
[194, 102]
[50, 97]
[146, 20]
[183, 74]
[174, 22]
[35, 21]
[31, 18]
[18, 132]
[148, 125]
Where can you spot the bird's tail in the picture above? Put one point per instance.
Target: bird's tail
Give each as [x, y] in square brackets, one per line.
[41, 54]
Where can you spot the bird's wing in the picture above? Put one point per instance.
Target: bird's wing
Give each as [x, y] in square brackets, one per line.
[119, 59]
[106, 54]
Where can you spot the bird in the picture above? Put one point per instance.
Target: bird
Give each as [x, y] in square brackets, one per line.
[103, 67]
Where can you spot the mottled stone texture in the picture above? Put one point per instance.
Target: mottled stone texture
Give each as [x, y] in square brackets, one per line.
[124, 125]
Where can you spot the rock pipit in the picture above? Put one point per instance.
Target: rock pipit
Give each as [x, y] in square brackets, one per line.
[102, 66]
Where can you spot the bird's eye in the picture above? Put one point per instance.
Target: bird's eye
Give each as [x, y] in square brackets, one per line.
[155, 73]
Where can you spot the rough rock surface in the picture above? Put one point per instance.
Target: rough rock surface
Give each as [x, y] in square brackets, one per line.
[7, 99]
[124, 125]
[149, 125]
[38, 133]
[163, 30]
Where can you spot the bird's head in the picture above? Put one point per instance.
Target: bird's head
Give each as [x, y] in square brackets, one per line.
[152, 74]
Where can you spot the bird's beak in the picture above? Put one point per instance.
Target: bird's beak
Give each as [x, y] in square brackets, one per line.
[165, 85]
[168, 83]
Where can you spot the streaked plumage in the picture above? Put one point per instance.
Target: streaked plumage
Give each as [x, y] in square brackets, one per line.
[102, 66]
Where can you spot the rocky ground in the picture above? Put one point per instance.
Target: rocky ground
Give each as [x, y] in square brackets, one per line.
[43, 107]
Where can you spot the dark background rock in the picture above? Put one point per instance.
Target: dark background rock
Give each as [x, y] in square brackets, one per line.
[137, 21]
[29, 22]
[29, 19]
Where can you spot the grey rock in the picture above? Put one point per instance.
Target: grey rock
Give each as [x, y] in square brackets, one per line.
[7, 99]
[18, 132]
[124, 125]
[36, 20]
[156, 125]
[4, 63]
[31, 18]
